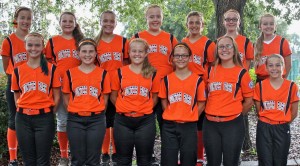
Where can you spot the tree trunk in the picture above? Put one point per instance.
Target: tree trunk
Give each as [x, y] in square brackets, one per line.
[221, 6]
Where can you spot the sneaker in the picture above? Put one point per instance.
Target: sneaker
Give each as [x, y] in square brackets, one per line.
[154, 162]
[13, 163]
[63, 162]
[105, 160]
[200, 162]
[114, 159]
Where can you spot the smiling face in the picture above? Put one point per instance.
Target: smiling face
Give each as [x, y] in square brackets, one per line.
[67, 23]
[137, 52]
[267, 25]
[275, 67]
[87, 54]
[231, 21]
[225, 49]
[108, 22]
[154, 18]
[194, 25]
[24, 19]
[34, 46]
[181, 57]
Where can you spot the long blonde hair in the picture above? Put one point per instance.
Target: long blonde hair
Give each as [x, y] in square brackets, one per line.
[236, 57]
[259, 46]
[147, 68]
[98, 37]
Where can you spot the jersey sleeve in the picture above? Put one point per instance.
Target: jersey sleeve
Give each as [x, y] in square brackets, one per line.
[295, 96]
[162, 90]
[5, 51]
[155, 84]
[211, 51]
[256, 94]
[106, 84]
[201, 93]
[126, 51]
[286, 48]
[115, 82]
[247, 85]
[56, 80]
[14, 82]
[48, 51]
[66, 84]
[250, 51]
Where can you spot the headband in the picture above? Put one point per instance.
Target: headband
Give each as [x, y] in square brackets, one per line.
[87, 41]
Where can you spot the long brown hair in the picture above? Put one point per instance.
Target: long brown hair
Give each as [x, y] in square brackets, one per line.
[259, 45]
[77, 34]
[147, 68]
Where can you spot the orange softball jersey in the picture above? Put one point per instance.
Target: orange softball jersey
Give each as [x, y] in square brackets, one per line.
[16, 49]
[86, 89]
[275, 100]
[35, 87]
[65, 53]
[245, 48]
[225, 95]
[278, 45]
[110, 55]
[134, 91]
[182, 96]
[160, 50]
[202, 54]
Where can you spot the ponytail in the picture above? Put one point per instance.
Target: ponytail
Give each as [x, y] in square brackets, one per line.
[259, 46]
[44, 65]
[147, 69]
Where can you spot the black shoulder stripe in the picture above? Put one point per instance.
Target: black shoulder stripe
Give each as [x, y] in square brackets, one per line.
[260, 93]
[52, 49]
[166, 81]
[10, 50]
[136, 35]
[238, 84]
[70, 82]
[171, 39]
[123, 45]
[205, 52]
[281, 46]
[16, 71]
[120, 79]
[289, 97]
[103, 77]
[208, 72]
[196, 90]
[246, 45]
[53, 68]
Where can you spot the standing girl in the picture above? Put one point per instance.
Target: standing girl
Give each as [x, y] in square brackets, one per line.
[112, 53]
[183, 97]
[61, 50]
[229, 96]
[269, 43]
[36, 89]
[86, 90]
[161, 44]
[134, 93]
[245, 47]
[13, 55]
[202, 57]
[276, 101]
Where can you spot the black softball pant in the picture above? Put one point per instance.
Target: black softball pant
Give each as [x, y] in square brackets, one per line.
[11, 105]
[35, 135]
[86, 134]
[272, 144]
[223, 139]
[138, 132]
[179, 137]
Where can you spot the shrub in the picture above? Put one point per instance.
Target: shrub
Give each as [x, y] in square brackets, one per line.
[3, 116]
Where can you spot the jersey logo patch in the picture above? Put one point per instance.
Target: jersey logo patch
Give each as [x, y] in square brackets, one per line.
[20, 57]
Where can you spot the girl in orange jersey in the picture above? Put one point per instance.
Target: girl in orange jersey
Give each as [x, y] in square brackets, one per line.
[202, 56]
[61, 50]
[112, 53]
[36, 89]
[245, 47]
[183, 97]
[13, 55]
[269, 43]
[134, 93]
[229, 96]
[276, 101]
[161, 44]
[86, 90]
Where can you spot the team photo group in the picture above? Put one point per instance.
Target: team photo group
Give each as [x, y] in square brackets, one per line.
[104, 97]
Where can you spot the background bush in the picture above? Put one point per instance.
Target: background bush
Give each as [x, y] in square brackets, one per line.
[3, 117]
